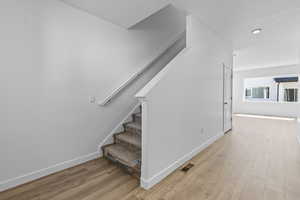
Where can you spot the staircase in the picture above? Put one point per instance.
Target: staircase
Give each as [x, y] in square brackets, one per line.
[126, 149]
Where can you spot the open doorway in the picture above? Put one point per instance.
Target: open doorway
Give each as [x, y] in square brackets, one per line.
[227, 98]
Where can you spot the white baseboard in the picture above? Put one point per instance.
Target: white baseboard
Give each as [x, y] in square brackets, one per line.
[11, 183]
[147, 184]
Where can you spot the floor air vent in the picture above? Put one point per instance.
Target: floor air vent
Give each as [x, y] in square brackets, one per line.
[187, 167]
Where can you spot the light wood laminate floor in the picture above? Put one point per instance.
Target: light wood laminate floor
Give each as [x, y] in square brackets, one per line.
[259, 159]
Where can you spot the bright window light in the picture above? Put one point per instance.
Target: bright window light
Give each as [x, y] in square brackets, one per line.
[266, 117]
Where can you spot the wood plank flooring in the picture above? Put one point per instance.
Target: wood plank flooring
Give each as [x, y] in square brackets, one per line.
[258, 160]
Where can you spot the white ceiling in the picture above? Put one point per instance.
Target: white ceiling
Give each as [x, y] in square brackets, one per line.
[267, 54]
[232, 19]
[120, 12]
[278, 44]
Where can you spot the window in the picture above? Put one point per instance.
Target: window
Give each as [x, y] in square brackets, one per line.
[281, 88]
[258, 93]
[291, 95]
[248, 92]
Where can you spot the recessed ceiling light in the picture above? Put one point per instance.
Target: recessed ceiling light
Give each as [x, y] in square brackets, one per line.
[256, 31]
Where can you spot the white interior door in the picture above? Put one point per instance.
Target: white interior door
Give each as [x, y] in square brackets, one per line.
[227, 91]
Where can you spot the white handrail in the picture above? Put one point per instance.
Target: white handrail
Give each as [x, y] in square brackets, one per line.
[122, 86]
[139, 72]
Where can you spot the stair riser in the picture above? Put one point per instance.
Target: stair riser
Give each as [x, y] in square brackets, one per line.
[115, 159]
[128, 145]
[132, 130]
[126, 149]
[134, 171]
[137, 119]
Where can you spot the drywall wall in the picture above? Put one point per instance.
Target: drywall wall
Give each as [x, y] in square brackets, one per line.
[298, 129]
[263, 108]
[53, 57]
[183, 109]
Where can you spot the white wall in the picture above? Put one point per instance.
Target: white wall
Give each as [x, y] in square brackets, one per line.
[263, 108]
[298, 129]
[182, 111]
[53, 57]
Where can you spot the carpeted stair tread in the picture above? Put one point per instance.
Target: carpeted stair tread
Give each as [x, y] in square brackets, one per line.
[138, 115]
[130, 138]
[134, 125]
[123, 155]
[126, 149]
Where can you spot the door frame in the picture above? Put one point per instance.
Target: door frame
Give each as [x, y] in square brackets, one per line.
[231, 94]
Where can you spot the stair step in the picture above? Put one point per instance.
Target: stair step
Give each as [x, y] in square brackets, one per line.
[123, 155]
[129, 138]
[126, 149]
[134, 127]
[137, 117]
